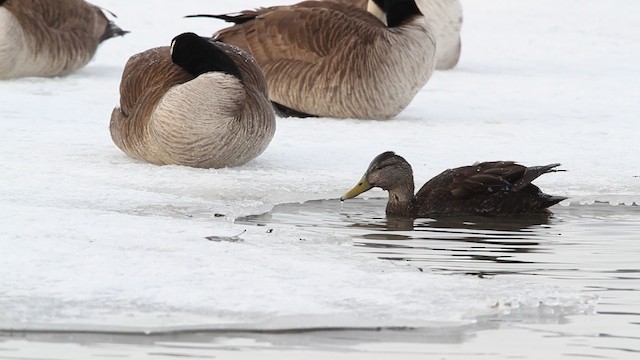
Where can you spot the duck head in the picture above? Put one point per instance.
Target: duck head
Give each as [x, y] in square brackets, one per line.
[387, 171]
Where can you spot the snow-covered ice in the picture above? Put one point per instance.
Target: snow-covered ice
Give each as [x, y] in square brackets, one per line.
[93, 239]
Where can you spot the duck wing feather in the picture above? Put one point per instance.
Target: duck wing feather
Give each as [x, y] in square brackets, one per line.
[499, 186]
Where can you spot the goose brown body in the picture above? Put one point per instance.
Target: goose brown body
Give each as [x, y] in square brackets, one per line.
[170, 116]
[50, 37]
[494, 188]
[445, 18]
[328, 58]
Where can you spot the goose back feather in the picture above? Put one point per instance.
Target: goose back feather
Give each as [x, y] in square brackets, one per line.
[445, 18]
[326, 58]
[168, 115]
[50, 37]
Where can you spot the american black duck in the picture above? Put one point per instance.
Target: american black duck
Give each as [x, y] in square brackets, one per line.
[494, 188]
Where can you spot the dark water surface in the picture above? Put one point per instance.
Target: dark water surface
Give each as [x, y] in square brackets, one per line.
[596, 247]
[593, 247]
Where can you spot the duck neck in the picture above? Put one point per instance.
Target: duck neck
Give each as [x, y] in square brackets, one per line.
[394, 12]
[400, 200]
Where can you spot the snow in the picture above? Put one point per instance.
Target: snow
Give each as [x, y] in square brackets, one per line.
[92, 239]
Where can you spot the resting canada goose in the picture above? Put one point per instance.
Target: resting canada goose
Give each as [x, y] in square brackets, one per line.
[197, 103]
[487, 189]
[50, 37]
[445, 18]
[333, 59]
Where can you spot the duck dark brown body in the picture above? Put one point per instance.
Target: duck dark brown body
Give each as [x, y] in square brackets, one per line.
[489, 189]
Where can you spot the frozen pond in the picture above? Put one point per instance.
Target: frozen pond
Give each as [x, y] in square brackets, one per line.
[592, 247]
[98, 249]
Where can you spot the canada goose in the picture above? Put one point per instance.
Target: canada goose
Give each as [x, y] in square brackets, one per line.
[197, 103]
[487, 189]
[50, 37]
[445, 18]
[333, 59]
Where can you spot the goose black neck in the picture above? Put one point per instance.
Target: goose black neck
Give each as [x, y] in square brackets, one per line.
[398, 11]
[2, 2]
[197, 55]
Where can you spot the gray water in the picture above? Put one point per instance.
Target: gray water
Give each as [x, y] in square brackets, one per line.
[595, 247]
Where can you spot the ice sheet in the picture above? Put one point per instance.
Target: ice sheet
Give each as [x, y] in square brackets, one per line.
[122, 272]
[91, 237]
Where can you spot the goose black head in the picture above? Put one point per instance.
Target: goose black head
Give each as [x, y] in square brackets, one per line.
[197, 55]
[393, 12]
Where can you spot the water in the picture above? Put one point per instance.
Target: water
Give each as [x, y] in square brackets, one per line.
[595, 247]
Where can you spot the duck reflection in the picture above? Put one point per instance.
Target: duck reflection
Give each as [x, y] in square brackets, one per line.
[455, 241]
[445, 244]
[520, 223]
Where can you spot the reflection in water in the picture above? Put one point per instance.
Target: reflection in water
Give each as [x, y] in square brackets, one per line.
[592, 247]
[440, 242]
[520, 223]
[552, 245]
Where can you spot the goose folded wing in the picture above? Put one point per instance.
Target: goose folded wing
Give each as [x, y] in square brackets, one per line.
[293, 32]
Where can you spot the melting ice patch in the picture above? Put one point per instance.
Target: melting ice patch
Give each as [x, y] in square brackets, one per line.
[163, 273]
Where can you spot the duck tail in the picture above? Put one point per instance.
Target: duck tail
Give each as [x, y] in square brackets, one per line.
[532, 173]
[551, 200]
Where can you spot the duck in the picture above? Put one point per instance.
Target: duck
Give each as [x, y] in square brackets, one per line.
[197, 103]
[334, 59]
[494, 188]
[445, 18]
[48, 38]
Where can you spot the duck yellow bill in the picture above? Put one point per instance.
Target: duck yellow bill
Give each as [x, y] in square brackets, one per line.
[362, 186]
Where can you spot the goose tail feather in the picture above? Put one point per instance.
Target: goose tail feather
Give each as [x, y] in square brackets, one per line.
[237, 18]
[112, 30]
